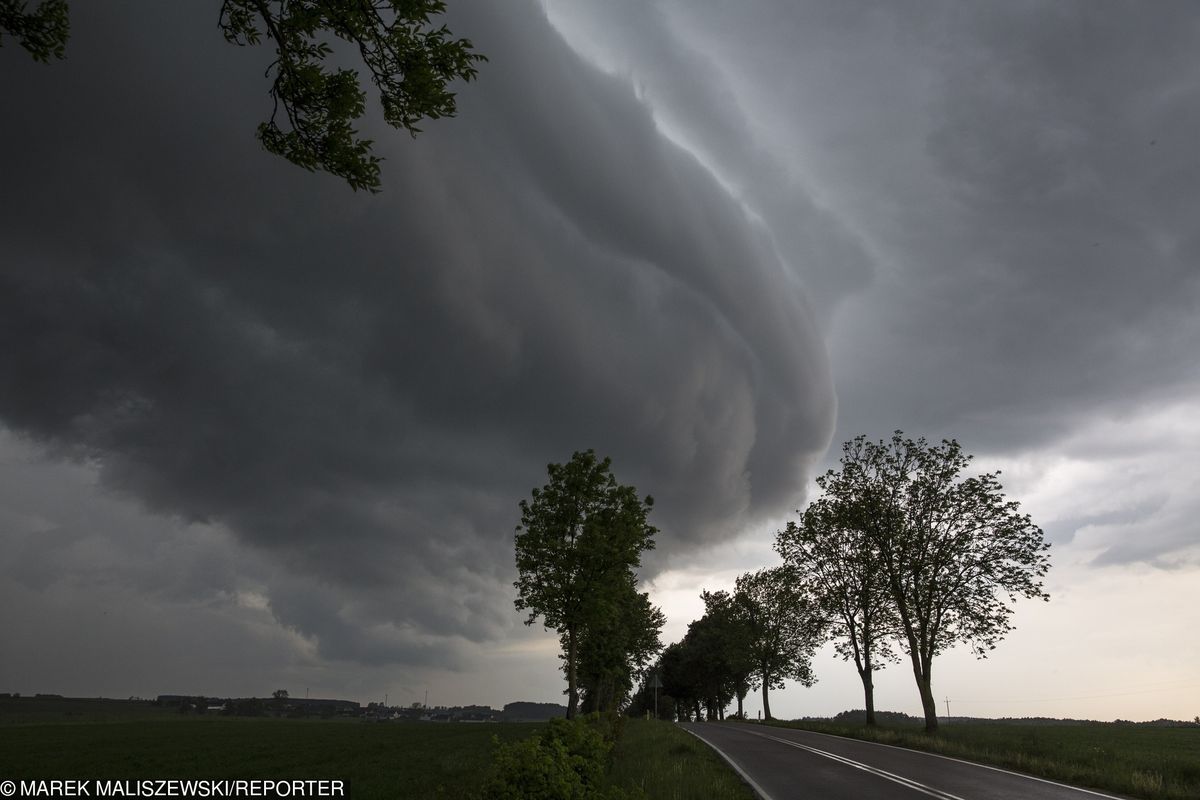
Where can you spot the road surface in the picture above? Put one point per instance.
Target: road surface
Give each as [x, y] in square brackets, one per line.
[781, 763]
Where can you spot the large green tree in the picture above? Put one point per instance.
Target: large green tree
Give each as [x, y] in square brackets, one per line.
[845, 571]
[954, 552]
[578, 547]
[409, 59]
[784, 624]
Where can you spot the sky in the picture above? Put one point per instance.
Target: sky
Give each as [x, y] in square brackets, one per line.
[258, 431]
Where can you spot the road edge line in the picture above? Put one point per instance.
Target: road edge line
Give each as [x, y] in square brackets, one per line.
[960, 761]
[754, 787]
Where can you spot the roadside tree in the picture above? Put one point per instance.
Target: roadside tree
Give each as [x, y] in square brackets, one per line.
[845, 572]
[784, 628]
[579, 543]
[618, 644]
[954, 553]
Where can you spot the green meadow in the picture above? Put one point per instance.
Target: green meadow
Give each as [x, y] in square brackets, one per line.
[116, 740]
[1140, 761]
[381, 760]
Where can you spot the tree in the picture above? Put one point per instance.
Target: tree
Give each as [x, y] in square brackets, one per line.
[784, 627]
[622, 638]
[727, 638]
[844, 569]
[580, 540]
[953, 552]
[678, 683]
[43, 31]
[409, 61]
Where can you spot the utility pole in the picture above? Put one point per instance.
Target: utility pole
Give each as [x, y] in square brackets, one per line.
[947, 710]
[426, 699]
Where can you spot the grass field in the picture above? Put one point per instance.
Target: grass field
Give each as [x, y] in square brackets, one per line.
[391, 760]
[85, 739]
[667, 762]
[78, 709]
[1154, 763]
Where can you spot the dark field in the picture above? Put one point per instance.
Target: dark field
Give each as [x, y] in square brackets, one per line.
[1149, 762]
[91, 739]
[381, 760]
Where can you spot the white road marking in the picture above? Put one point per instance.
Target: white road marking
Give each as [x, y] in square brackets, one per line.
[969, 763]
[762, 793]
[891, 776]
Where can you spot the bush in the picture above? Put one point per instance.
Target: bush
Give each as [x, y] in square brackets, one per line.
[567, 760]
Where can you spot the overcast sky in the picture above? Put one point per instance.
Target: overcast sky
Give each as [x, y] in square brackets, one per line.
[258, 431]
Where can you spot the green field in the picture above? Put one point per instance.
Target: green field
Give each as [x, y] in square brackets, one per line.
[381, 760]
[1141, 761]
[86, 739]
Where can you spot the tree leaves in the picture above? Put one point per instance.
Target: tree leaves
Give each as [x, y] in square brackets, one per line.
[43, 31]
[409, 62]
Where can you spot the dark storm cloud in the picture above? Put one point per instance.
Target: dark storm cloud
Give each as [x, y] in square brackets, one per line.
[1004, 200]
[361, 388]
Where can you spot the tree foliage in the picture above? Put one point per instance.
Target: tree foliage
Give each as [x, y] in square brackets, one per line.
[784, 627]
[409, 60]
[578, 547]
[621, 640]
[728, 638]
[953, 552]
[43, 31]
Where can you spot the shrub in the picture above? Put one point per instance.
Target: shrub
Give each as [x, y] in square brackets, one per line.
[567, 760]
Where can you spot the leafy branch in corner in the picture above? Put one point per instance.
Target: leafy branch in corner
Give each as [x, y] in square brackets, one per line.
[410, 61]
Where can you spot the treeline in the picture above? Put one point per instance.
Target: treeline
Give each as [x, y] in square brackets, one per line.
[902, 556]
[756, 637]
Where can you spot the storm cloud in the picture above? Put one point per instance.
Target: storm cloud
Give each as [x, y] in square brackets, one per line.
[360, 389]
[1008, 194]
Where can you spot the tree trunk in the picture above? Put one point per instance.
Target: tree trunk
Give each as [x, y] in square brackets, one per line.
[572, 684]
[766, 701]
[924, 685]
[868, 694]
[741, 694]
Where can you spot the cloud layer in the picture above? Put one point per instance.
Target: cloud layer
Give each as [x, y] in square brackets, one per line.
[359, 389]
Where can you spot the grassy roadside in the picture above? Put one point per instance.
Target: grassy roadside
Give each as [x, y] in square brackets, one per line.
[668, 763]
[1151, 763]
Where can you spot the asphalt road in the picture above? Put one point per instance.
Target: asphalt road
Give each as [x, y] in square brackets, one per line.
[781, 764]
